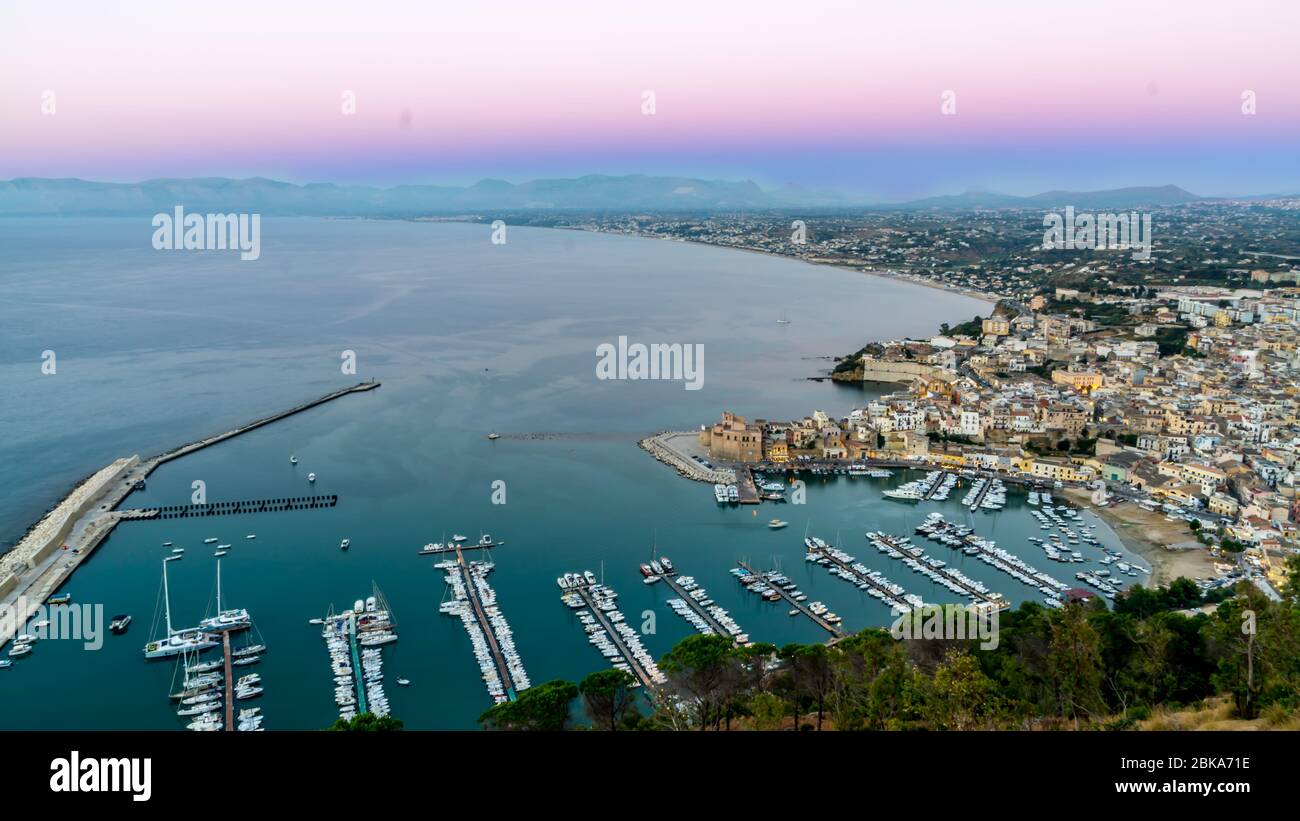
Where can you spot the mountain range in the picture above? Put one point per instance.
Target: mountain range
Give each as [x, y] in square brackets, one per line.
[30, 196]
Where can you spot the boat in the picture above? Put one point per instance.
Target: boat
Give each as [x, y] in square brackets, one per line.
[244, 662]
[219, 553]
[251, 536]
[311, 477]
[405, 682]
[247, 651]
[668, 565]
[19, 650]
[5, 663]
[120, 623]
[720, 493]
[645, 571]
[209, 540]
[176, 641]
[456, 537]
[293, 460]
[205, 667]
[226, 619]
[783, 320]
[62, 598]
[493, 436]
[343, 545]
[777, 524]
[167, 544]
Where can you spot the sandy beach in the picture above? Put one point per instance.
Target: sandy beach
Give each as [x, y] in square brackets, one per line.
[1148, 534]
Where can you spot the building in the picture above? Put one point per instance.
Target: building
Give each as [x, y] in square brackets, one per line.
[733, 439]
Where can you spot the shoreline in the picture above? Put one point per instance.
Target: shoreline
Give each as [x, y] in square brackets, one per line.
[80, 521]
[1147, 534]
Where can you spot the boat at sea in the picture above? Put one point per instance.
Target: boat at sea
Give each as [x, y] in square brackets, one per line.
[226, 620]
[210, 540]
[777, 524]
[343, 545]
[175, 641]
[311, 477]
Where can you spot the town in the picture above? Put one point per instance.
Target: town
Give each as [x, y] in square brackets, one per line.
[1172, 411]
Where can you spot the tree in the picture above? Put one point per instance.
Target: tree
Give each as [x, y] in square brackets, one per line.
[767, 709]
[699, 667]
[367, 723]
[960, 696]
[810, 667]
[544, 707]
[1075, 664]
[607, 696]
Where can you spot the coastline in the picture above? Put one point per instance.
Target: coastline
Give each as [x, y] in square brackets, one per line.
[1147, 534]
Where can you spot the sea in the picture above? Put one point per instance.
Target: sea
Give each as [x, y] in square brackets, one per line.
[151, 349]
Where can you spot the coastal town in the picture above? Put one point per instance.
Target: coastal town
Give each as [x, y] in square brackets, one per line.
[1171, 411]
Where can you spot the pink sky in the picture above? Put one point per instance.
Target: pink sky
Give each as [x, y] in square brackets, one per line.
[753, 89]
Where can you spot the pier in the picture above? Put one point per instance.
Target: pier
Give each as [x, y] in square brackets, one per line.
[488, 630]
[835, 631]
[55, 547]
[232, 508]
[894, 600]
[748, 490]
[984, 491]
[489, 633]
[637, 669]
[700, 610]
[230, 684]
[906, 550]
[935, 485]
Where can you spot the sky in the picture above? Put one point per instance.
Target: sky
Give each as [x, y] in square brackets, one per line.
[887, 100]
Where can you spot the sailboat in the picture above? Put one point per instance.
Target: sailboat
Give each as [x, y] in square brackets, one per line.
[176, 641]
[783, 320]
[226, 619]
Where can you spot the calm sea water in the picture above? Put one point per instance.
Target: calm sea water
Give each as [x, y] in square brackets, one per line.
[157, 348]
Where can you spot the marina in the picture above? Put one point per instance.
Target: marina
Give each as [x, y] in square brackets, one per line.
[963, 538]
[872, 582]
[774, 586]
[474, 602]
[694, 605]
[607, 629]
[902, 549]
[354, 640]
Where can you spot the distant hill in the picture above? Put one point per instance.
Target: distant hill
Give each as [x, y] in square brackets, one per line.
[637, 192]
[1114, 198]
[31, 196]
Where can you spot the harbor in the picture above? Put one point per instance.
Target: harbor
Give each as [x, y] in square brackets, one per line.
[773, 586]
[355, 639]
[963, 538]
[902, 549]
[694, 605]
[607, 629]
[873, 582]
[474, 602]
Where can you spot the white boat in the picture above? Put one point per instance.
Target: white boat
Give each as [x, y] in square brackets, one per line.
[219, 553]
[209, 540]
[176, 641]
[251, 536]
[5, 663]
[311, 477]
[343, 545]
[293, 460]
[777, 524]
[405, 682]
[226, 619]
[19, 650]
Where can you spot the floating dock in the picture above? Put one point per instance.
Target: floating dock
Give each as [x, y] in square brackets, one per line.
[883, 586]
[233, 508]
[629, 654]
[835, 631]
[938, 528]
[936, 484]
[906, 550]
[474, 602]
[708, 615]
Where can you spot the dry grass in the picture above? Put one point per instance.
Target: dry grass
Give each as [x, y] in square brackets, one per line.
[1218, 714]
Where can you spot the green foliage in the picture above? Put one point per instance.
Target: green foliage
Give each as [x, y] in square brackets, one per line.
[367, 723]
[543, 707]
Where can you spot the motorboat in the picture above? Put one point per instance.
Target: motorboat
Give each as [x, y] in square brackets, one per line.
[343, 545]
[777, 524]
[311, 477]
[120, 623]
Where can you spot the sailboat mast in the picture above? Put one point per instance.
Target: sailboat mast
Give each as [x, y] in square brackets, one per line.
[167, 600]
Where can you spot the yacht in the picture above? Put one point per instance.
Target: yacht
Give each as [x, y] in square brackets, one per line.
[293, 460]
[176, 642]
[251, 536]
[19, 650]
[226, 619]
[733, 493]
[311, 477]
[720, 493]
[5, 663]
[209, 540]
[405, 682]
[668, 566]
[777, 524]
[343, 545]
[493, 436]
[219, 553]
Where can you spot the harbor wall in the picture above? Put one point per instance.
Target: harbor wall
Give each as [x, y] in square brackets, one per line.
[49, 533]
[661, 448]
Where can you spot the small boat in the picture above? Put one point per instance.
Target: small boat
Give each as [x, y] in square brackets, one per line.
[248, 651]
[5, 663]
[251, 536]
[343, 545]
[777, 524]
[456, 537]
[244, 662]
[209, 540]
[178, 551]
[219, 553]
[167, 544]
[62, 598]
[311, 477]
[19, 650]
[176, 558]
[120, 623]
[493, 436]
[405, 682]
[293, 460]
